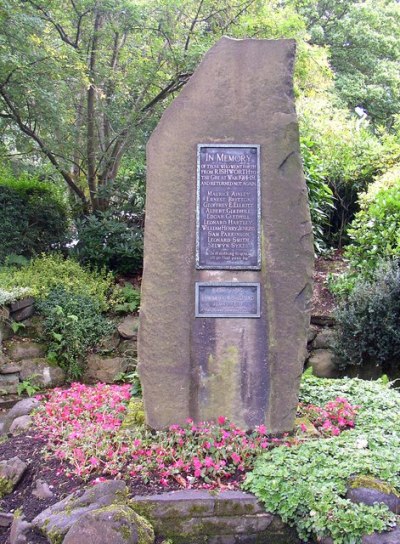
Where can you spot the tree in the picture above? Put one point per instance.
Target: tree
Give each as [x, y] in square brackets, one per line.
[81, 78]
[364, 43]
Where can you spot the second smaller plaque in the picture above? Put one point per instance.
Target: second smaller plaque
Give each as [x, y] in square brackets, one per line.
[227, 299]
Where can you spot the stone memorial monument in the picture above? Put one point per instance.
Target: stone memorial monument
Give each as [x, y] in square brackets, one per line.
[228, 250]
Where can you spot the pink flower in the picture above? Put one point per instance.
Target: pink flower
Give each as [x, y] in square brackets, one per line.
[222, 420]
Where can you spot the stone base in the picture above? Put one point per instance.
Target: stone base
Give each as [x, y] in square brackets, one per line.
[228, 517]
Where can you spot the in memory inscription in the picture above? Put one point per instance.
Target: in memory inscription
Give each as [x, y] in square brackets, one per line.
[227, 299]
[228, 207]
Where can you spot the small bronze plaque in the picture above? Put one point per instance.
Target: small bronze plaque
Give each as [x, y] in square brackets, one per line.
[228, 207]
[227, 299]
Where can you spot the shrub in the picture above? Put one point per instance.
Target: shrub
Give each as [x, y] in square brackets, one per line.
[34, 217]
[125, 299]
[47, 272]
[375, 231]
[110, 239]
[73, 325]
[369, 321]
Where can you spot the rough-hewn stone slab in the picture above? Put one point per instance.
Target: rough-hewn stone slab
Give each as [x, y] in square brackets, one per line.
[228, 517]
[247, 369]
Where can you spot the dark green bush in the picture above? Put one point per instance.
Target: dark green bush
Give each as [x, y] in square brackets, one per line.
[369, 321]
[33, 218]
[110, 239]
[73, 325]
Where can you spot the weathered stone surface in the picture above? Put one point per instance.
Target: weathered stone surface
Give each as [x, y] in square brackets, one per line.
[20, 304]
[128, 328]
[11, 471]
[324, 339]
[60, 517]
[323, 363]
[104, 369]
[19, 350]
[312, 333]
[10, 368]
[388, 537]
[8, 383]
[197, 516]
[23, 314]
[21, 408]
[370, 490]
[6, 519]
[42, 374]
[246, 369]
[42, 490]
[18, 529]
[115, 524]
[20, 424]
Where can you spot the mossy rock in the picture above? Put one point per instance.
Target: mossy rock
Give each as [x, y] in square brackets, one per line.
[369, 482]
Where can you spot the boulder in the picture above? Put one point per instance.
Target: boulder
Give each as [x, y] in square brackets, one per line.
[18, 529]
[41, 373]
[323, 363]
[22, 408]
[6, 519]
[117, 524]
[11, 472]
[20, 424]
[128, 328]
[387, 537]
[21, 350]
[42, 490]
[58, 519]
[104, 369]
[9, 368]
[312, 333]
[369, 490]
[9, 384]
[324, 339]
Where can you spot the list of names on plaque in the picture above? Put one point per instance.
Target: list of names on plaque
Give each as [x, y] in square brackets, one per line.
[227, 299]
[228, 221]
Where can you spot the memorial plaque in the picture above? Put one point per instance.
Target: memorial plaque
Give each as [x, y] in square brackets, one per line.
[227, 299]
[228, 207]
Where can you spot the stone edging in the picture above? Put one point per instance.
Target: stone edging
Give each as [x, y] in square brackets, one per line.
[226, 517]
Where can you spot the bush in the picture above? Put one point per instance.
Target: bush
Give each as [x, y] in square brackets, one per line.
[375, 231]
[47, 272]
[73, 325]
[110, 239]
[34, 217]
[369, 321]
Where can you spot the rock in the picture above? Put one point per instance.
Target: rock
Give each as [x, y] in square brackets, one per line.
[42, 374]
[369, 490]
[20, 304]
[58, 519]
[323, 363]
[5, 328]
[6, 519]
[42, 490]
[23, 314]
[312, 333]
[116, 524]
[11, 472]
[324, 339]
[104, 369]
[21, 350]
[20, 424]
[323, 320]
[9, 383]
[22, 408]
[10, 368]
[18, 529]
[387, 537]
[129, 327]
[109, 343]
[128, 348]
